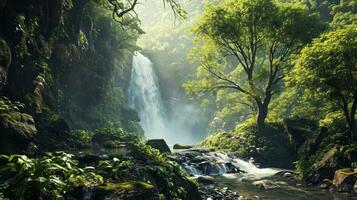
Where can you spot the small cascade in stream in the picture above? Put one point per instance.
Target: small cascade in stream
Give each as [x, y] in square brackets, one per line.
[197, 162]
[144, 96]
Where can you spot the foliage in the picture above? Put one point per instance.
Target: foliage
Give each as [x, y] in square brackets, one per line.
[143, 161]
[82, 137]
[52, 176]
[344, 156]
[328, 67]
[269, 147]
[247, 46]
[104, 53]
[6, 105]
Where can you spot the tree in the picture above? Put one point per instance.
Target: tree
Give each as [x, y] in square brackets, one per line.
[121, 8]
[329, 66]
[245, 45]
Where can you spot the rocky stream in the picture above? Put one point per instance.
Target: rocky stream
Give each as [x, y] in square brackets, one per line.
[225, 176]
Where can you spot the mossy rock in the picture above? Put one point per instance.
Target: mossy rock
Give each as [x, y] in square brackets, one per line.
[269, 147]
[182, 146]
[345, 179]
[16, 131]
[130, 190]
[5, 58]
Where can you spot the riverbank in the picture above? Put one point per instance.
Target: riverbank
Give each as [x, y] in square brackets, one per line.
[227, 172]
[117, 165]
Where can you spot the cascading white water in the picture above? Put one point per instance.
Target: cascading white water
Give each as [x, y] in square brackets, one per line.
[144, 96]
[219, 162]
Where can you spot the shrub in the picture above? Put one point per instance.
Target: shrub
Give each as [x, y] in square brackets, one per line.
[50, 177]
[269, 147]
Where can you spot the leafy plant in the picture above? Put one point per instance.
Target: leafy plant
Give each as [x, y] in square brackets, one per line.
[6, 105]
[51, 177]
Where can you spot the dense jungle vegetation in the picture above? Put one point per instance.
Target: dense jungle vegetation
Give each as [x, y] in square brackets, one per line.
[270, 81]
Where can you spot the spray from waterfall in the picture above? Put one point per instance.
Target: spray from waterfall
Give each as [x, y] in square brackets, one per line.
[144, 96]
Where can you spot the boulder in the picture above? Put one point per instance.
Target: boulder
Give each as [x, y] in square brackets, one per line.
[87, 158]
[205, 180]
[182, 146]
[265, 184]
[345, 180]
[54, 135]
[160, 145]
[288, 174]
[107, 140]
[231, 169]
[16, 131]
[325, 184]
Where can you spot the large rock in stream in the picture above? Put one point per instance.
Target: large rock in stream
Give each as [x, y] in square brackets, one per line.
[16, 131]
[345, 179]
[204, 162]
[160, 145]
[182, 146]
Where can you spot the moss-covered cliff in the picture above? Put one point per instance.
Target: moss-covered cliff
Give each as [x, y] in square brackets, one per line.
[68, 62]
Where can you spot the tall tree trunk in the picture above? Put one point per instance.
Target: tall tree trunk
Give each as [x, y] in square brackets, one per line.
[350, 117]
[262, 115]
[263, 108]
[352, 124]
[353, 129]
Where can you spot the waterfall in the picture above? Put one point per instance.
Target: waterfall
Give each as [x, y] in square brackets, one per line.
[144, 96]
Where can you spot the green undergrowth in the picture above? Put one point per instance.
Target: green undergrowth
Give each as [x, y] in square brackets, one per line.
[53, 176]
[269, 147]
[133, 168]
[331, 154]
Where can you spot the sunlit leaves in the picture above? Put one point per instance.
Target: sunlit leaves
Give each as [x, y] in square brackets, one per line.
[329, 67]
[246, 46]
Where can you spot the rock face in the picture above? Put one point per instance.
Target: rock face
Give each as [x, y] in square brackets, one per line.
[5, 60]
[160, 145]
[16, 131]
[345, 180]
[325, 167]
